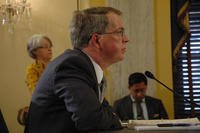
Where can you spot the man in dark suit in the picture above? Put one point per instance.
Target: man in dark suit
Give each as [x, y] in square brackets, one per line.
[68, 97]
[137, 105]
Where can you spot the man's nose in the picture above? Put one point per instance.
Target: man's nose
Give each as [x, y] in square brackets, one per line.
[139, 94]
[125, 39]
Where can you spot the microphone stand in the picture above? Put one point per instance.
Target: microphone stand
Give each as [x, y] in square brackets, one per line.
[151, 76]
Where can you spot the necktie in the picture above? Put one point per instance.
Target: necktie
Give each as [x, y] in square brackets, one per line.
[139, 110]
[102, 87]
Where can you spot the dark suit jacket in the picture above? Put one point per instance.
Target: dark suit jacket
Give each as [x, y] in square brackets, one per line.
[66, 98]
[124, 109]
[3, 126]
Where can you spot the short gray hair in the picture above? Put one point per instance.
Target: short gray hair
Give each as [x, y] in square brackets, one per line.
[34, 42]
[86, 22]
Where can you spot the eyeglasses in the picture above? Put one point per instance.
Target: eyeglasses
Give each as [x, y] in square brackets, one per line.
[139, 90]
[121, 32]
[46, 47]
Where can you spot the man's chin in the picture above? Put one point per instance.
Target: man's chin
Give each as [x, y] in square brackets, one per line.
[118, 59]
[121, 57]
[139, 98]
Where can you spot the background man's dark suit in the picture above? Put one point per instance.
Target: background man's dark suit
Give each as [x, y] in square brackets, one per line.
[124, 109]
[66, 98]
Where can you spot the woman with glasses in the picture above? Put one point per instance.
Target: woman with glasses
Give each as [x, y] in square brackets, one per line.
[39, 48]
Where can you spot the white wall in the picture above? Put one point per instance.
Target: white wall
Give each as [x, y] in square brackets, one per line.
[50, 17]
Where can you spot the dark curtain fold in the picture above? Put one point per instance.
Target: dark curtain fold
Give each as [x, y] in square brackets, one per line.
[180, 25]
[180, 38]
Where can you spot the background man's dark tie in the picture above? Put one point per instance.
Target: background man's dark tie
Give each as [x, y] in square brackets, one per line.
[140, 115]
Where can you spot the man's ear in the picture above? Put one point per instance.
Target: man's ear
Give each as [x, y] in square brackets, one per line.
[95, 39]
[129, 87]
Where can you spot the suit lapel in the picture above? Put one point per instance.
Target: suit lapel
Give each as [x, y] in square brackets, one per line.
[149, 107]
[91, 70]
[130, 108]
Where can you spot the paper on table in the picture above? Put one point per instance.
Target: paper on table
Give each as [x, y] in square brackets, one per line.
[165, 128]
[155, 122]
[152, 124]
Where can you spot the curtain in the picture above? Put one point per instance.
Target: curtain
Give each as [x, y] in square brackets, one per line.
[182, 58]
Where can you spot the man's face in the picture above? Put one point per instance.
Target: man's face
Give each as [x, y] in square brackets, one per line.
[138, 91]
[113, 42]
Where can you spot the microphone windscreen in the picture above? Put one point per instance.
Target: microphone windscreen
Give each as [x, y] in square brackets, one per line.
[149, 75]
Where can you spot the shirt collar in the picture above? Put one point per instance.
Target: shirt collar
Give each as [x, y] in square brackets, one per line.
[98, 70]
[133, 100]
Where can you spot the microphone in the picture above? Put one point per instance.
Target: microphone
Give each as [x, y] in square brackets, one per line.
[151, 76]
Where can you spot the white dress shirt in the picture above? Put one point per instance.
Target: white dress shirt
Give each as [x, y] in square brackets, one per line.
[144, 108]
[99, 75]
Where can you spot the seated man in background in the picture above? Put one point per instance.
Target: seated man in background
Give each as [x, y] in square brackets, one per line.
[137, 105]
